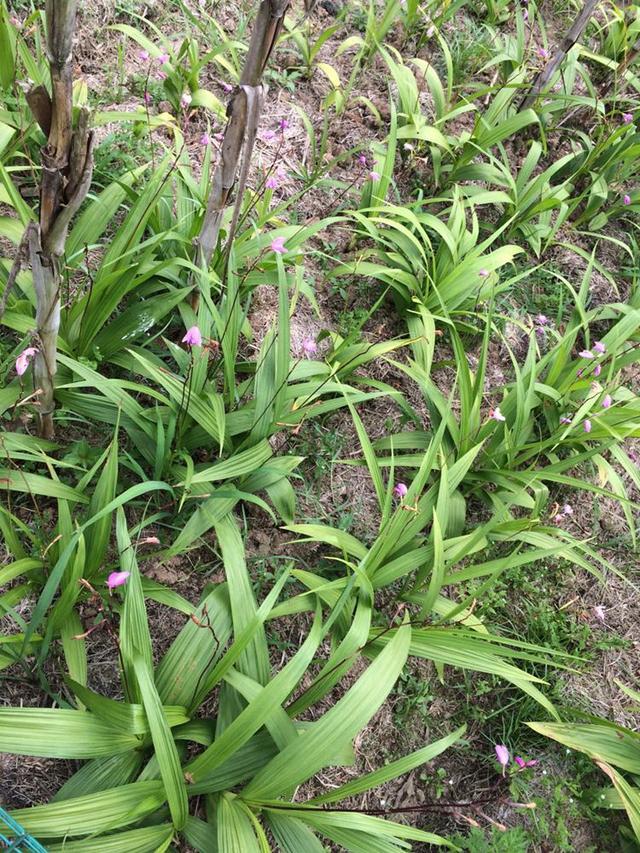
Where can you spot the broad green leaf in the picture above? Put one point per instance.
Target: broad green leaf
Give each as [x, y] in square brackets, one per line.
[148, 839]
[606, 743]
[273, 695]
[60, 733]
[392, 770]
[164, 745]
[301, 760]
[94, 813]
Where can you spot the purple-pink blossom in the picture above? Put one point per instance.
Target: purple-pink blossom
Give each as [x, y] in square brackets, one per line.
[585, 353]
[565, 419]
[268, 135]
[143, 55]
[567, 509]
[627, 118]
[374, 176]
[597, 370]
[149, 540]
[278, 246]
[522, 763]
[272, 182]
[309, 346]
[599, 347]
[148, 98]
[362, 159]
[599, 612]
[283, 124]
[542, 319]
[607, 400]
[205, 139]
[496, 414]
[543, 53]
[163, 58]
[483, 273]
[22, 361]
[226, 86]
[400, 490]
[502, 754]
[193, 337]
[626, 199]
[586, 425]
[117, 579]
[185, 100]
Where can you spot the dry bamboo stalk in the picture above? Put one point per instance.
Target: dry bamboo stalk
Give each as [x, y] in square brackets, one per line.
[243, 113]
[67, 168]
[570, 38]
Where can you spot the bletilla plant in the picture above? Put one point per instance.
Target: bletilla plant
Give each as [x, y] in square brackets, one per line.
[158, 765]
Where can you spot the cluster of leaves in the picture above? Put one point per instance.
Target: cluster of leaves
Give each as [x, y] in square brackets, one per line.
[213, 741]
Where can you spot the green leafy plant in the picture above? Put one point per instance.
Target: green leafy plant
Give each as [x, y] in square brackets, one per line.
[254, 754]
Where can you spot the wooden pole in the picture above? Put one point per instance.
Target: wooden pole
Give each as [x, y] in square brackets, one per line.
[67, 168]
[243, 113]
[570, 38]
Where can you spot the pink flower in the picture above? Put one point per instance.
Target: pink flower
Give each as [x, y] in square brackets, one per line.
[193, 337]
[522, 763]
[22, 361]
[599, 347]
[597, 370]
[161, 75]
[309, 346]
[400, 490]
[283, 124]
[143, 55]
[205, 139]
[226, 86]
[587, 425]
[585, 353]
[117, 579]
[598, 612]
[362, 160]
[525, 15]
[502, 754]
[163, 58]
[149, 540]
[627, 118]
[483, 273]
[271, 183]
[542, 53]
[148, 98]
[496, 414]
[626, 199]
[607, 400]
[185, 100]
[278, 246]
[567, 509]
[374, 176]
[565, 419]
[542, 319]
[268, 136]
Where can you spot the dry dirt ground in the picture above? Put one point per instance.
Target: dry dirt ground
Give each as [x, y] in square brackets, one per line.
[333, 490]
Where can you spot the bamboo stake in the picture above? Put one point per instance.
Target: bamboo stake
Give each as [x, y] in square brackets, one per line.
[243, 113]
[67, 168]
[570, 38]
